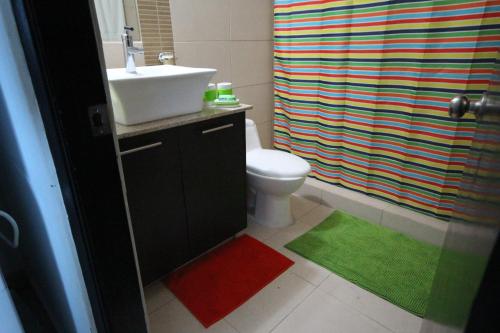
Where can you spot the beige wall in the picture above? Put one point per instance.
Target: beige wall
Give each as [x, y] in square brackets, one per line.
[235, 37]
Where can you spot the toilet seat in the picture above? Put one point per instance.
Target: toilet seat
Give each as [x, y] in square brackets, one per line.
[274, 163]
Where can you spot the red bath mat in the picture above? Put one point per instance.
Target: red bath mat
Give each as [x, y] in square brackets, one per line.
[214, 285]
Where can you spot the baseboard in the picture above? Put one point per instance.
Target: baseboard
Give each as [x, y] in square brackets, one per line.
[411, 223]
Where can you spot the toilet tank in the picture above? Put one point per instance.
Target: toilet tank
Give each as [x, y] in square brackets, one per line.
[252, 135]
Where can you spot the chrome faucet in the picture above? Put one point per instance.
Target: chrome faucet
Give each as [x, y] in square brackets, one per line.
[129, 50]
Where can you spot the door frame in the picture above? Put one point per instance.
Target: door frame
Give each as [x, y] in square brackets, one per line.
[62, 45]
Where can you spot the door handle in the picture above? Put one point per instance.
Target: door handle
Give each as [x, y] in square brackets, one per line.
[461, 104]
[218, 128]
[14, 243]
[134, 150]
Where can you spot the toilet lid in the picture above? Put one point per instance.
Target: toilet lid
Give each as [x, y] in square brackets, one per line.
[274, 163]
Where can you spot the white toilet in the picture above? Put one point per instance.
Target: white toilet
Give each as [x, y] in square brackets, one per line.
[272, 177]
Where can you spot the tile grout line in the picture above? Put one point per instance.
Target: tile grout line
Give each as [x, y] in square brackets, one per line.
[326, 277]
[223, 40]
[230, 10]
[359, 312]
[228, 46]
[253, 85]
[161, 306]
[228, 323]
[352, 307]
[296, 306]
[307, 212]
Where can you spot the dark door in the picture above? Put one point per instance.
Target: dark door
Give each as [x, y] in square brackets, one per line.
[214, 169]
[62, 46]
[152, 169]
[465, 294]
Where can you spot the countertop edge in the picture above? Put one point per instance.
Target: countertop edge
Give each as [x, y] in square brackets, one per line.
[123, 132]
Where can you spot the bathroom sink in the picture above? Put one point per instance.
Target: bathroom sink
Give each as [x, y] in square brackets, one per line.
[157, 92]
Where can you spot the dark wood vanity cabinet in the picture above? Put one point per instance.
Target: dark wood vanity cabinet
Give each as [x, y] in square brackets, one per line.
[186, 190]
[214, 172]
[153, 180]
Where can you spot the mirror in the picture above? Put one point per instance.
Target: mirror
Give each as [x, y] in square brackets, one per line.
[152, 29]
[113, 15]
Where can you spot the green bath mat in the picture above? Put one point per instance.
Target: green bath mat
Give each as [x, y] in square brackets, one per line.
[389, 264]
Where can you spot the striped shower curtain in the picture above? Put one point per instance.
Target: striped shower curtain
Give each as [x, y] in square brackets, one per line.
[362, 90]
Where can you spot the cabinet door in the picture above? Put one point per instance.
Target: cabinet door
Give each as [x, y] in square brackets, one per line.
[214, 168]
[152, 168]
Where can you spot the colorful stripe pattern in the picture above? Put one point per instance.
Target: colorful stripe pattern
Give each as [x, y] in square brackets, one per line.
[362, 90]
[478, 200]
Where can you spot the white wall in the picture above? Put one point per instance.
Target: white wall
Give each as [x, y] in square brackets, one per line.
[31, 189]
[235, 37]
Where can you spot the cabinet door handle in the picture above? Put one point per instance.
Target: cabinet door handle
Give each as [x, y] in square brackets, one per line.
[218, 128]
[134, 150]
[14, 243]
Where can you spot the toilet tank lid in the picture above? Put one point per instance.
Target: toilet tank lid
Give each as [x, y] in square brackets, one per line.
[275, 163]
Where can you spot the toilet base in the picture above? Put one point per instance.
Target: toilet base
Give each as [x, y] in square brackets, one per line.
[273, 210]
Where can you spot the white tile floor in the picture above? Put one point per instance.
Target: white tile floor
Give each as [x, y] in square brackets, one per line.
[306, 298]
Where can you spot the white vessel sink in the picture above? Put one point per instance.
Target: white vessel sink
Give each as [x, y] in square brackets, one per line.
[157, 92]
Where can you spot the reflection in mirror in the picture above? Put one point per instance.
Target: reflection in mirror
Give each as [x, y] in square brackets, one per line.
[132, 17]
[152, 29]
[112, 16]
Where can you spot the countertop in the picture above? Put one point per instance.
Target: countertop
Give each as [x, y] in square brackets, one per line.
[123, 131]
